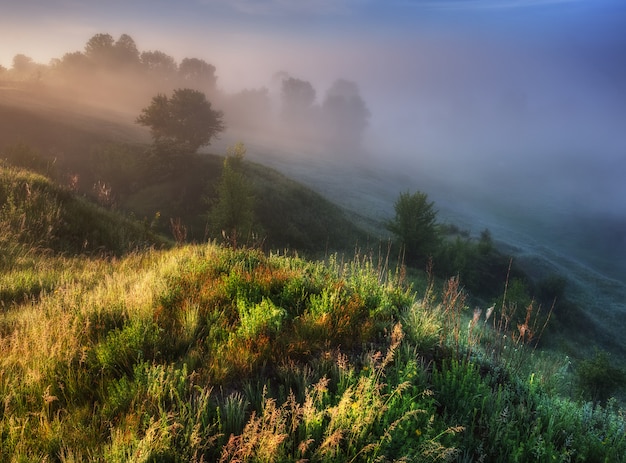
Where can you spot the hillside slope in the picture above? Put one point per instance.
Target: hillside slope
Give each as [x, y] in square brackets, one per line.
[94, 152]
[36, 214]
[203, 353]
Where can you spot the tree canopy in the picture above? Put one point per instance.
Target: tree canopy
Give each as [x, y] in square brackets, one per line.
[185, 121]
[198, 74]
[297, 95]
[160, 63]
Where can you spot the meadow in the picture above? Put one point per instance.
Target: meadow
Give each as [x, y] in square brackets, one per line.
[208, 353]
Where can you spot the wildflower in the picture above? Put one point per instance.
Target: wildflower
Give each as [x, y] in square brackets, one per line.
[418, 432]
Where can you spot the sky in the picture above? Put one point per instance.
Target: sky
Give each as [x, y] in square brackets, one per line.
[389, 47]
[438, 75]
[523, 95]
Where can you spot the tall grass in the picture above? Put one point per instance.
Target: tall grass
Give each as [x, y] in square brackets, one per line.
[37, 216]
[202, 353]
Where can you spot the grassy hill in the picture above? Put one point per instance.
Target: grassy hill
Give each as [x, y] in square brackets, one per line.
[38, 214]
[203, 353]
[99, 156]
[116, 345]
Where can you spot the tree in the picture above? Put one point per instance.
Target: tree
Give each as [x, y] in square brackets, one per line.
[23, 65]
[345, 113]
[297, 95]
[299, 111]
[198, 74]
[25, 68]
[75, 62]
[160, 64]
[100, 49]
[183, 122]
[125, 51]
[415, 226]
[232, 215]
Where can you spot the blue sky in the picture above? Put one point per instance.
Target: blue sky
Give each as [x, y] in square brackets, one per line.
[46, 28]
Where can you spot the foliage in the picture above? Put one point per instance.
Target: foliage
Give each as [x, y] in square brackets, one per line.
[184, 121]
[232, 215]
[415, 226]
[297, 96]
[198, 74]
[480, 267]
[599, 378]
[345, 112]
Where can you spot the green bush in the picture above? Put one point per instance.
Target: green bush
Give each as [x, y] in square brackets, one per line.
[599, 378]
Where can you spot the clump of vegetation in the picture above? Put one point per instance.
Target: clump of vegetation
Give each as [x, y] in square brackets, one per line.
[415, 226]
[599, 378]
[423, 241]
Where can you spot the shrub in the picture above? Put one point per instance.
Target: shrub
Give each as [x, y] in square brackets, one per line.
[598, 378]
[415, 226]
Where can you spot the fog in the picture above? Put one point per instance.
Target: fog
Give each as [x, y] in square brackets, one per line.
[508, 117]
[523, 135]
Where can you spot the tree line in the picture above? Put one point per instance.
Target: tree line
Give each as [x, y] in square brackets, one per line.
[103, 54]
[115, 70]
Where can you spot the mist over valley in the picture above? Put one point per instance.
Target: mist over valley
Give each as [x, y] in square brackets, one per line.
[224, 219]
[521, 134]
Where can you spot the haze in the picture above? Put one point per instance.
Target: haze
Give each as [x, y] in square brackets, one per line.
[489, 106]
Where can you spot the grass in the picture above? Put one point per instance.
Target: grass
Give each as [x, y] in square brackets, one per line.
[204, 353]
[37, 214]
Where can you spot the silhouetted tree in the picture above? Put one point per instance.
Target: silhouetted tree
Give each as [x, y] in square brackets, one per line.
[125, 51]
[198, 74]
[415, 226]
[25, 68]
[299, 111]
[345, 113]
[183, 122]
[23, 64]
[232, 215]
[159, 64]
[100, 49]
[75, 61]
[297, 96]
